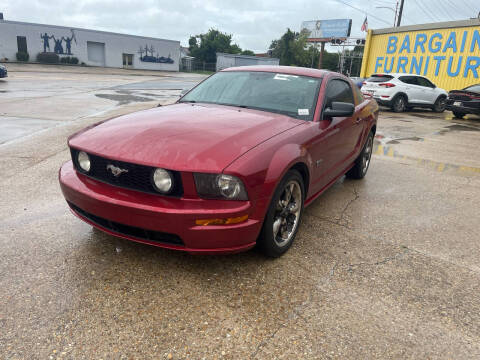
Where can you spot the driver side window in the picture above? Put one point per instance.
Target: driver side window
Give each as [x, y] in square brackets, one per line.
[338, 91]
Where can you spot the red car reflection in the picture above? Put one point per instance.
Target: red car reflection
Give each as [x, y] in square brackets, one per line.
[230, 165]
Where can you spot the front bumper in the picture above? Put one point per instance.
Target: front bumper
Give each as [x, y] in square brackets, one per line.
[158, 220]
[462, 109]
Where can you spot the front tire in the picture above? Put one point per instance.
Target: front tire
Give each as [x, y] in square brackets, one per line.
[459, 115]
[283, 216]
[399, 104]
[362, 163]
[440, 104]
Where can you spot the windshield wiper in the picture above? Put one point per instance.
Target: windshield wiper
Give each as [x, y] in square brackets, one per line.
[188, 101]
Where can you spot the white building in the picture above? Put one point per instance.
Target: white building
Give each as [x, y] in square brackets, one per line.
[96, 48]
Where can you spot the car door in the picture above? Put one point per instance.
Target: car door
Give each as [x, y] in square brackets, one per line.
[428, 94]
[336, 144]
[411, 88]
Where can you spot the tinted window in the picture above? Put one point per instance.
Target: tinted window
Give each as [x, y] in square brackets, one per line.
[424, 82]
[474, 88]
[291, 95]
[338, 90]
[379, 78]
[412, 80]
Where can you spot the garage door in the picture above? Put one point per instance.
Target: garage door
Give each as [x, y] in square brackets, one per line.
[96, 53]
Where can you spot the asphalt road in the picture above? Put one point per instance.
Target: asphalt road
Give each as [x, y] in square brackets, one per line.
[387, 267]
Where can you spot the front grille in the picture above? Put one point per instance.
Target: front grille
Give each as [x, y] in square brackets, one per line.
[138, 177]
[132, 231]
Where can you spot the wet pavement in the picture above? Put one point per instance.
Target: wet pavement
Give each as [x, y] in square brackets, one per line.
[387, 267]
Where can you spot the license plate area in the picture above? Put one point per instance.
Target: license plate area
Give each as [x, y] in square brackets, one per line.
[457, 103]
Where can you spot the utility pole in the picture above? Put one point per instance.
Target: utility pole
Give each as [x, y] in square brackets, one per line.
[400, 13]
[320, 59]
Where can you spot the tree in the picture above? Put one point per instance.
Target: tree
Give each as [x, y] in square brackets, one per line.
[293, 50]
[204, 47]
[247, 52]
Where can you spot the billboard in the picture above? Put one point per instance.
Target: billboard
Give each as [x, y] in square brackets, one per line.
[327, 29]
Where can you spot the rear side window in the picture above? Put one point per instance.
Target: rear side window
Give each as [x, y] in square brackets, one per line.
[474, 88]
[379, 78]
[340, 91]
[412, 80]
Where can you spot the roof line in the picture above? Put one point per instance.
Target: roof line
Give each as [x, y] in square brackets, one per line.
[83, 29]
[428, 26]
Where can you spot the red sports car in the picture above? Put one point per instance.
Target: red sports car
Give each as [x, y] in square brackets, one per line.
[230, 165]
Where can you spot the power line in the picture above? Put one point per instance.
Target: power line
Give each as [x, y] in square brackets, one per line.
[467, 9]
[426, 12]
[362, 11]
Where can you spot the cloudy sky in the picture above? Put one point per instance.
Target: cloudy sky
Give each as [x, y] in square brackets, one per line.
[253, 23]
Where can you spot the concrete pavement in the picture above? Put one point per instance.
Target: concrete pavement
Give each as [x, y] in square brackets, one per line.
[387, 267]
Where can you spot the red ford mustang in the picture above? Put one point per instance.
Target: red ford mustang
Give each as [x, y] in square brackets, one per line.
[230, 165]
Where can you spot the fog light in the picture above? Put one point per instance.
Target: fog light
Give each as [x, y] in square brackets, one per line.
[227, 221]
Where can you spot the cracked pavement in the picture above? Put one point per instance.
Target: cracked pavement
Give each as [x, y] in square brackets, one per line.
[387, 267]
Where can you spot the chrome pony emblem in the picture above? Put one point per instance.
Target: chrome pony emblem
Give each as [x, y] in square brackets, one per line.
[116, 171]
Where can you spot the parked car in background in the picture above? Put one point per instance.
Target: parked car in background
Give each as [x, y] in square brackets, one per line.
[401, 92]
[228, 166]
[465, 101]
[3, 71]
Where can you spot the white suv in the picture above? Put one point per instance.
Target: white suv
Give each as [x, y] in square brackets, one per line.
[405, 91]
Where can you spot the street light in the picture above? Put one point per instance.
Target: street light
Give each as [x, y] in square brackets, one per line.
[389, 8]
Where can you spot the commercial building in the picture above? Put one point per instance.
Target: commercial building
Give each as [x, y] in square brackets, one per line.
[92, 47]
[447, 53]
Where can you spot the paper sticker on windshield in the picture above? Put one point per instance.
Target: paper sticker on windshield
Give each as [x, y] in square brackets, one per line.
[303, 112]
[284, 77]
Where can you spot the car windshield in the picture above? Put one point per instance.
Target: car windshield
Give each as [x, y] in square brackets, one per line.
[291, 95]
[474, 88]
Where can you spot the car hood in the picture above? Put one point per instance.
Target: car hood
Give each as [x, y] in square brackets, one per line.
[188, 137]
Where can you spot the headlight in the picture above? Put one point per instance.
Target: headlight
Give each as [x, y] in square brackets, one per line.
[83, 161]
[162, 180]
[220, 186]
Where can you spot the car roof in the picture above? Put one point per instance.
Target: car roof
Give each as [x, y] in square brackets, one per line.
[290, 70]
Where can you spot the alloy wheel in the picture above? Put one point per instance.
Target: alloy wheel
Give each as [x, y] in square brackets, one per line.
[287, 213]
[400, 104]
[367, 154]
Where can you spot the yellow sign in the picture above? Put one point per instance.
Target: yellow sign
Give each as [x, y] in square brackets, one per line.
[449, 56]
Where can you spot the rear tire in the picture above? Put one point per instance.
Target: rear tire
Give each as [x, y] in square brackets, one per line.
[459, 115]
[283, 216]
[440, 104]
[399, 104]
[362, 163]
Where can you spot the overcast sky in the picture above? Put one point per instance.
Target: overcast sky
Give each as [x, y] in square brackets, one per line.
[254, 24]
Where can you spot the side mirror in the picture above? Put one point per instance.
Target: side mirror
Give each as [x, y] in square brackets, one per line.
[339, 109]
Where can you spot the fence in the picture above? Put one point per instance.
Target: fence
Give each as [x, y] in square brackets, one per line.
[189, 65]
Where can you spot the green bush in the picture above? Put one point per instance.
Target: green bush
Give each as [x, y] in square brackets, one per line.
[74, 60]
[48, 58]
[65, 60]
[23, 56]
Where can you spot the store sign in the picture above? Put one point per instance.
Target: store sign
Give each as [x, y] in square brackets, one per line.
[454, 54]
